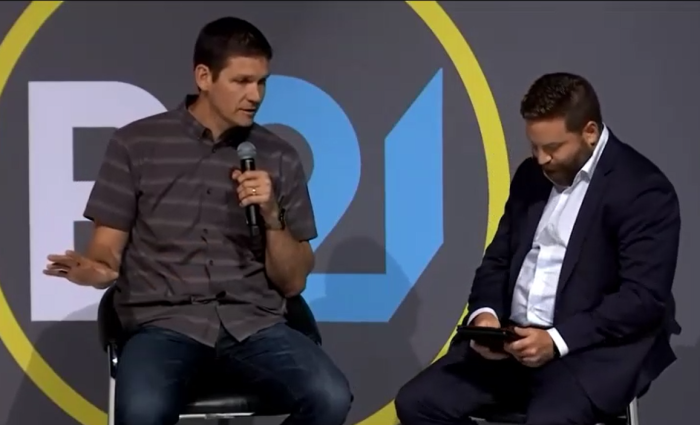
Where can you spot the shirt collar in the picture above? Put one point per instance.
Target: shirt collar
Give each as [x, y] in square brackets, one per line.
[194, 127]
[590, 165]
[197, 130]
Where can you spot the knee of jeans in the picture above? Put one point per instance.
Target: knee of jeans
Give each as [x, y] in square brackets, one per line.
[330, 398]
[144, 409]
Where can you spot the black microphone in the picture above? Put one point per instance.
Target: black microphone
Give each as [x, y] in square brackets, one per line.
[246, 153]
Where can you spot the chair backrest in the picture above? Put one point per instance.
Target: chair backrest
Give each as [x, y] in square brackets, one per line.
[110, 329]
[674, 328]
[299, 316]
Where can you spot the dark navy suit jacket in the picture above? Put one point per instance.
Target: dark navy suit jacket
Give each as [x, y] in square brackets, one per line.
[614, 307]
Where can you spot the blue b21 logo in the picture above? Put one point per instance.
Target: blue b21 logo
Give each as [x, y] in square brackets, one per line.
[413, 206]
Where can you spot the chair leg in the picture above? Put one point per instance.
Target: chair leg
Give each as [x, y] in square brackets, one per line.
[112, 384]
[633, 413]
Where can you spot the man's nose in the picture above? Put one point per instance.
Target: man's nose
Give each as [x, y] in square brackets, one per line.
[542, 158]
[254, 95]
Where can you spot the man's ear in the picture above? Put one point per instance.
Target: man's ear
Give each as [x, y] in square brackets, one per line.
[203, 77]
[591, 133]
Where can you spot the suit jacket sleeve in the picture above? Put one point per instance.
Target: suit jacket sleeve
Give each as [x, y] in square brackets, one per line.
[648, 233]
[490, 285]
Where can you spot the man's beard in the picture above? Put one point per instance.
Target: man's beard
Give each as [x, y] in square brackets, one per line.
[566, 175]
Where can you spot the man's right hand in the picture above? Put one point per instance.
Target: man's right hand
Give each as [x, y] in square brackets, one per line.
[490, 321]
[80, 270]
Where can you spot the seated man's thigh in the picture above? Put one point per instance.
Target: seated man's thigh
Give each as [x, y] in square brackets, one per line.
[457, 385]
[557, 398]
[155, 366]
[290, 370]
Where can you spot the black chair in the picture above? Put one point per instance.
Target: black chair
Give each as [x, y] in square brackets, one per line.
[211, 398]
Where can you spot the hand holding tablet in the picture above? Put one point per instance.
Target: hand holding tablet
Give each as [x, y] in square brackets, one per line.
[492, 338]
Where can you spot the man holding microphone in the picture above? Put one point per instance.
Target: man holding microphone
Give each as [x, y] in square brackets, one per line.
[171, 233]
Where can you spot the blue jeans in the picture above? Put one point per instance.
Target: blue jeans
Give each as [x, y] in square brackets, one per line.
[156, 365]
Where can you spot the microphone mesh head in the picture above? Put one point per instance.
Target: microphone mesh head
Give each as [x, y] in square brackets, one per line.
[246, 150]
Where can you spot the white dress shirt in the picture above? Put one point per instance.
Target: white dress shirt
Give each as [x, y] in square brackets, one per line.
[536, 287]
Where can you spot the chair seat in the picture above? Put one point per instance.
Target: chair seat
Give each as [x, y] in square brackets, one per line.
[231, 403]
[509, 417]
[503, 417]
[215, 393]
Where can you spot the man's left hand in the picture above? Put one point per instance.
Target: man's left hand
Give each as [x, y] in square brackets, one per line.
[534, 348]
[255, 187]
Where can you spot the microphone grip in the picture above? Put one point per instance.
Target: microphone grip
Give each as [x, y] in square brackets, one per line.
[251, 211]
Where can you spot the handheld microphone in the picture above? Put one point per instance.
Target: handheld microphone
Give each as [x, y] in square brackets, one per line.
[246, 153]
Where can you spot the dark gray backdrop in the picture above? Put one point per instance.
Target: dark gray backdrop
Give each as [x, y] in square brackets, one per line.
[373, 59]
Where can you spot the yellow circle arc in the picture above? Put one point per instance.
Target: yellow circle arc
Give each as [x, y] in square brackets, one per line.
[497, 167]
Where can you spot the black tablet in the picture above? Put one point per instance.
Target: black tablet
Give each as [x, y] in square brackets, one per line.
[493, 338]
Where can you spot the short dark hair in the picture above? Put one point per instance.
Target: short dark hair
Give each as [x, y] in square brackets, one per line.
[562, 95]
[226, 37]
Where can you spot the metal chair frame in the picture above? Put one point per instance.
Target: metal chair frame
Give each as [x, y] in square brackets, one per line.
[630, 417]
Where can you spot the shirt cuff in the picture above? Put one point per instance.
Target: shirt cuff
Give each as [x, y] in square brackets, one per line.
[479, 311]
[559, 342]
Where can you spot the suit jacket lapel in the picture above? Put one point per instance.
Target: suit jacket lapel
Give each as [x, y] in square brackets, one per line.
[588, 211]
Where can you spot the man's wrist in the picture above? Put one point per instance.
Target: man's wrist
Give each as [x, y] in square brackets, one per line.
[479, 312]
[273, 225]
[557, 354]
[275, 220]
[560, 347]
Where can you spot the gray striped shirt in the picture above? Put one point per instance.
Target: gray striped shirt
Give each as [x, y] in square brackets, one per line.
[190, 264]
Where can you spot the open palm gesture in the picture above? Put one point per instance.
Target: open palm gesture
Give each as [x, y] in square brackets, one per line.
[79, 269]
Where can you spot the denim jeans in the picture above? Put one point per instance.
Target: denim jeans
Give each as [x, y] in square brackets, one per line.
[156, 366]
